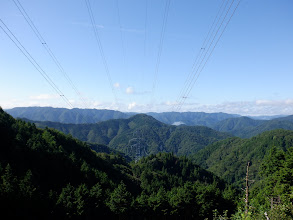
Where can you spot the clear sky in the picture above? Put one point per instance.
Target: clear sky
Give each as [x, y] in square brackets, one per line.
[250, 71]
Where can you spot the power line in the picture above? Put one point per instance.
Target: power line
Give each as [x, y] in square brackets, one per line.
[209, 53]
[98, 40]
[145, 41]
[212, 49]
[205, 51]
[199, 54]
[122, 40]
[24, 51]
[145, 26]
[167, 6]
[47, 48]
[121, 34]
[199, 72]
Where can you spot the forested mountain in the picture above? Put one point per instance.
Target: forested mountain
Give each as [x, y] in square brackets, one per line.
[228, 158]
[48, 175]
[270, 157]
[240, 127]
[64, 115]
[192, 118]
[81, 116]
[267, 117]
[246, 127]
[141, 132]
[287, 118]
[274, 191]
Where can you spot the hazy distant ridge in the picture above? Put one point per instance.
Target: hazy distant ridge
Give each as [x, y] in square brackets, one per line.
[80, 116]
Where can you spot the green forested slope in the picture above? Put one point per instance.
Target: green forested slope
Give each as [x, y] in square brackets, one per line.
[45, 174]
[228, 158]
[238, 126]
[151, 135]
[245, 127]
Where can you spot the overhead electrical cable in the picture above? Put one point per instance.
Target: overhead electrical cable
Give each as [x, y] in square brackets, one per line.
[24, 51]
[200, 52]
[121, 34]
[122, 42]
[203, 50]
[49, 51]
[208, 53]
[166, 12]
[214, 47]
[98, 40]
[145, 27]
[145, 41]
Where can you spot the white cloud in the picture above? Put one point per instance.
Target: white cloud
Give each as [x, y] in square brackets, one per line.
[129, 90]
[249, 108]
[117, 85]
[287, 102]
[169, 103]
[131, 105]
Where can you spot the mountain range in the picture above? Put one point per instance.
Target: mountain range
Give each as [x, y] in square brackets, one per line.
[45, 174]
[141, 135]
[82, 116]
[63, 176]
[244, 127]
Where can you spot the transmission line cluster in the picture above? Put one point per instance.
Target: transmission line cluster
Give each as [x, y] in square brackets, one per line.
[162, 37]
[47, 48]
[220, 23]
[121, 34]
[224, 15]
[25, 52]
[98, 40]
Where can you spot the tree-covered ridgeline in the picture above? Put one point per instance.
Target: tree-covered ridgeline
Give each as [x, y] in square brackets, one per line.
[153, 136]
[270, 171]
[228, 158]
[46, 174]
[82, 116]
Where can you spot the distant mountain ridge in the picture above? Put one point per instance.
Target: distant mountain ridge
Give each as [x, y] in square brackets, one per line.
[81, 116]
[141, 133]
[240, 126]
[246, 127]
[64, 115]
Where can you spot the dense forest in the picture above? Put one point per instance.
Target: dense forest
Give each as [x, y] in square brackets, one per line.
[152, 135]
[270, 157]
[245, 127]
[46, 174]
[228, 158]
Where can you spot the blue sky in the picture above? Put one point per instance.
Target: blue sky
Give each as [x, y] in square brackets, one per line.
[250, 71]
